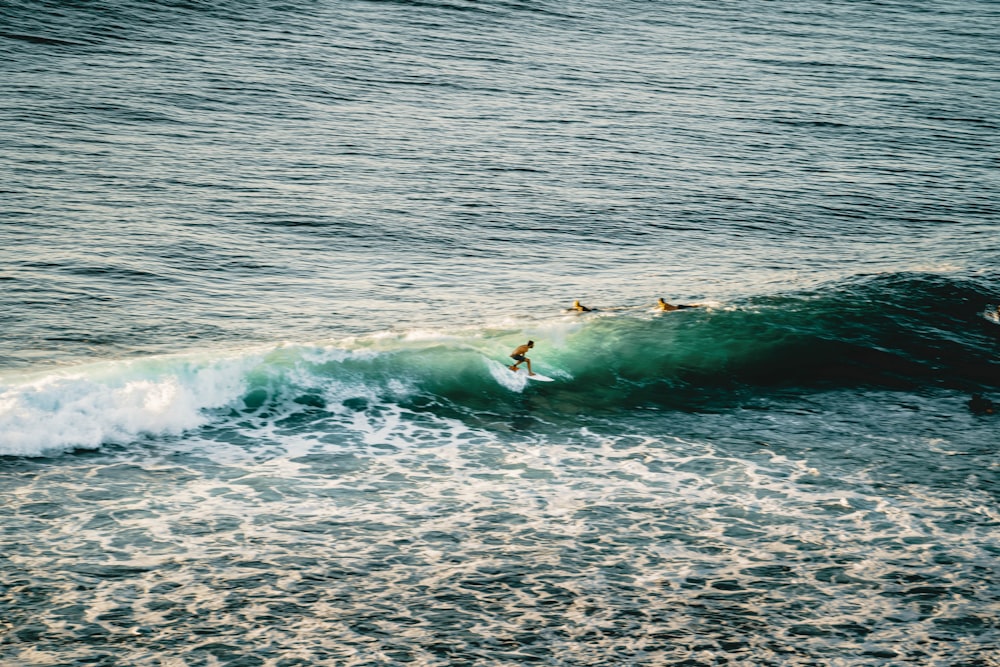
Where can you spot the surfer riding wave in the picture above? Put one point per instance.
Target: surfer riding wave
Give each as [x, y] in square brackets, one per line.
[518, 356]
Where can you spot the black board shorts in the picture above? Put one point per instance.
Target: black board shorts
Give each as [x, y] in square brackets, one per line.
[517, 357]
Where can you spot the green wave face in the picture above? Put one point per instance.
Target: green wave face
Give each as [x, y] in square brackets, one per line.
[857, 335]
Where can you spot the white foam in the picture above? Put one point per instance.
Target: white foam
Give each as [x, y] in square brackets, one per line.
[86, 406]
[504, 377]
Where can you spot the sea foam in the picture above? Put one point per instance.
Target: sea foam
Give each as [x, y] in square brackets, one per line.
[116, 401]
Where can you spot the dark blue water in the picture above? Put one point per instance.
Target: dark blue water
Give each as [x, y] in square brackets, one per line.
[261, 266]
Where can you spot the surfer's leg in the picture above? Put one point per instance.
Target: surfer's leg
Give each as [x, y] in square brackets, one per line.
[518, 360]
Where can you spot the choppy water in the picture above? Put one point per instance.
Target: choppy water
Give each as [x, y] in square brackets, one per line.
[261, 264]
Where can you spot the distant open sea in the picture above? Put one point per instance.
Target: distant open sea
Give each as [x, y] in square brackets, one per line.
[262, 263]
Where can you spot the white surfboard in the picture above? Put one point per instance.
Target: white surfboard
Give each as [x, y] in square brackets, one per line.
[513, 380]
[536, 376]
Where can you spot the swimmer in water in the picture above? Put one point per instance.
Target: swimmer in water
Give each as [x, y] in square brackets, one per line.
[663, 305]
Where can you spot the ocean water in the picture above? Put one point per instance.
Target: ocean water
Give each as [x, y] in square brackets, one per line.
[262, 263]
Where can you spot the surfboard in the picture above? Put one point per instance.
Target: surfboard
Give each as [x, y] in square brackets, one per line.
[536, 376]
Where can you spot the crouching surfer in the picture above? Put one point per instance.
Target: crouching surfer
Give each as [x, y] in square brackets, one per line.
[518, 356]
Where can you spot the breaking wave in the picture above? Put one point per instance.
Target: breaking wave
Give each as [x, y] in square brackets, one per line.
[895, 332]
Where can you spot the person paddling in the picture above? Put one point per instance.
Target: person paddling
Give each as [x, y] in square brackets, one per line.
[518, 356]
[663, 305]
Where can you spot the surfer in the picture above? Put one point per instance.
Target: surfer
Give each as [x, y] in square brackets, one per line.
[518, 356]
[579, 307]
[663, 305]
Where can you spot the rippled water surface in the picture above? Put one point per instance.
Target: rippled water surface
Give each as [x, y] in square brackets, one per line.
[262, 263]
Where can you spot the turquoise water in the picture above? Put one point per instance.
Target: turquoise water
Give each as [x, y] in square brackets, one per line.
[261, 265]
